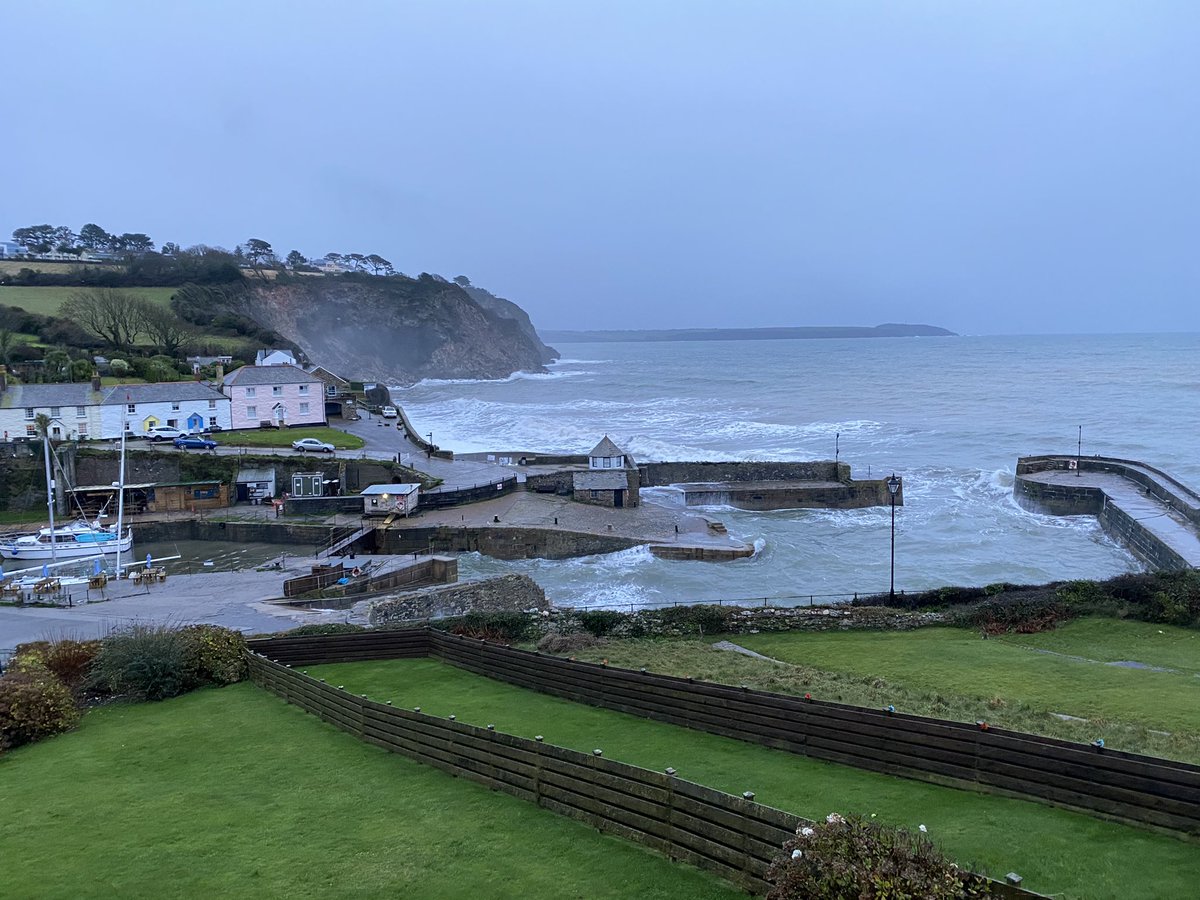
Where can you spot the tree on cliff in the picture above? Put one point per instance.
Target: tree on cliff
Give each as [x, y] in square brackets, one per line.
[295, 260]
[259, 254]
[379, 265]
[462, 280]
[35, 238]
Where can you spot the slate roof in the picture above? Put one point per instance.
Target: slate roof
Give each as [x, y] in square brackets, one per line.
[248, 375]
[162, 391]
[606, 448]
[18, 396]
[245, 476]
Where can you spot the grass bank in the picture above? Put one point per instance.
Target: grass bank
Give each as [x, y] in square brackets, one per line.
[1022, 682]
[233, 793]
[47, 300]
[283, 437]
[1067, 854]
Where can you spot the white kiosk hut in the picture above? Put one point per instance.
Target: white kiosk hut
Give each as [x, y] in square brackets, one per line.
[390, 499]
[611, 478]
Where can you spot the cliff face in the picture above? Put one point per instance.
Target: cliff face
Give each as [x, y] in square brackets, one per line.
[508, 310]
[395, 330]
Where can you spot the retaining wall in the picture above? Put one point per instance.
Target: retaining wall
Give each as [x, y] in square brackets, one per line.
[506, 593]
[498, 541]
[1128, 787]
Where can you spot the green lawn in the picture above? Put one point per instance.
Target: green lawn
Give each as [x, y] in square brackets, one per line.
[47, 300]
[1015, 669]
[1067, 854]
[233, 793]
[283, 437]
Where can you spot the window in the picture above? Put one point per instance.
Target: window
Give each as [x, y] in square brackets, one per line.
[30, 431]
[607, 462]
[304, 388]
[595, 495]
[212, 404]
[82, 428]
[277, 390]
[131, 407]
[331, 390]
[212, 421]
[251, 412]
[28, 414]
[55, 412]
[81, 412]
[304, 409]
[249, 393]
[172, 423]
[174, 406]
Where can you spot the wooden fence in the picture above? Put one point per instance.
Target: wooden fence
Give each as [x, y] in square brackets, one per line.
[1113, 784]
[732, 836]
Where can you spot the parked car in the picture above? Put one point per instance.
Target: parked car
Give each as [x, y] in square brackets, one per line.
[389, 412]
[210, 429]
[165, 433]
[195, 442]
[312, 444]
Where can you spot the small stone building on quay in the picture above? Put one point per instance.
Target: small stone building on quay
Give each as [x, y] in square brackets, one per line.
[611, 478]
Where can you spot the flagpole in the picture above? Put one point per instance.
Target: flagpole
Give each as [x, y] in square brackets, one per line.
[121, 487]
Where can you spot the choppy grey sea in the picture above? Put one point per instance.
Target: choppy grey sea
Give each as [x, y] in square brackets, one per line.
[951, 415]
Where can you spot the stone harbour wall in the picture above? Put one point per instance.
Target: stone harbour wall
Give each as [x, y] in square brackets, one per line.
[506, 593]
[664, 473]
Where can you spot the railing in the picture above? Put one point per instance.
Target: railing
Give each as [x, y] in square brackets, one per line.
[454, 495]
[747, 602]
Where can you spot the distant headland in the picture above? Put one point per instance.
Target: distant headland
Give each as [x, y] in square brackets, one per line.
[747, 334]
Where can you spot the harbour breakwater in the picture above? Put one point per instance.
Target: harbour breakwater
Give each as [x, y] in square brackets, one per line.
[1146, 510]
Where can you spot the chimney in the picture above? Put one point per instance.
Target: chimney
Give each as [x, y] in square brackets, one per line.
[220, 371]
[96, 382]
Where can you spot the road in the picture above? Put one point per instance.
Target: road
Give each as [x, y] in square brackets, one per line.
[385, 440]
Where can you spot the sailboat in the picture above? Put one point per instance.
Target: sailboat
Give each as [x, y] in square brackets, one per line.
[79, 539]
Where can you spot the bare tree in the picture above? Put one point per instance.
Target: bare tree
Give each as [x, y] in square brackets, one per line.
[165, 329]
[116, 317]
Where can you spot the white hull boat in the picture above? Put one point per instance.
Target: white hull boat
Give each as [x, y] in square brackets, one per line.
[80, 539]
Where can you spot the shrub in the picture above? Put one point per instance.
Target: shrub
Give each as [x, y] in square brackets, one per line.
[33, 704]
[858, 858]
[600, 621]
[328, 628]
[68, 660]
[494, 626]
[1024, 613]
[146, 662]
[704, 618]
[216, 655]
[556, 642]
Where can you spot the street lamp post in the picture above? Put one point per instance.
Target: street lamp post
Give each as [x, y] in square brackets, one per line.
[1079, 455]
[893, 486]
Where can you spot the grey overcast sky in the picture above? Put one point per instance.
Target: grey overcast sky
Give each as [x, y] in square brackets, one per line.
[992, 167]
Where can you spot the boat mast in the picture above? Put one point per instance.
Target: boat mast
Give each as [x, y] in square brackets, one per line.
[121, 487]
[49, 492]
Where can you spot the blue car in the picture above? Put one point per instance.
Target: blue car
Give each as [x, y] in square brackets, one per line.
[194, 443]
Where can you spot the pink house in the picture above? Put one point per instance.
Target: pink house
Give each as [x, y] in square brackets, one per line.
[282, 395]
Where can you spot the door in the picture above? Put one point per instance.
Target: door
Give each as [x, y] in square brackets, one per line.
[619, 498]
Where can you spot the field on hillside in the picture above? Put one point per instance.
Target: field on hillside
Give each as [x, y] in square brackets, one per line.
[1058, 852]
[47, 300]
[50, 267]
[233, 793]
[1023, 682]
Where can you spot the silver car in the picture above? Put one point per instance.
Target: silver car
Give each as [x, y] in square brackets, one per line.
[312, 444]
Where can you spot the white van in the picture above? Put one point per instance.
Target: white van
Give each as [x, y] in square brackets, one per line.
[389, 412]
[165, 433]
